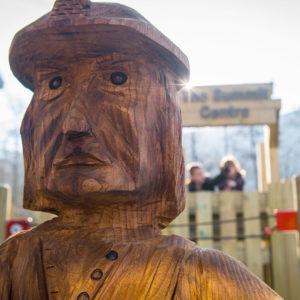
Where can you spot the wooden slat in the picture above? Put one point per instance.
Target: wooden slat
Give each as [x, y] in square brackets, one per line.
[288, 195]
[297, 185]
[291, 253]
[227, 212]
[263, 202]
[253, 253]
[279, 282]
[271, 143]
[5, 208]
[178, 226]
[261, 168]
[204, 211]
[291, 243]
[285, 245]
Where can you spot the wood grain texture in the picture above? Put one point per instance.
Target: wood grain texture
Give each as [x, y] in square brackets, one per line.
[102, 150]
[59, 261]
[98, 29]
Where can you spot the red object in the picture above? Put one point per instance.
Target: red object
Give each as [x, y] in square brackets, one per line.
[15, 226]
[268, 231]
[286, 220]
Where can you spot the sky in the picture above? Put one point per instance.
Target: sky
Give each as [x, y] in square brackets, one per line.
[227, 42]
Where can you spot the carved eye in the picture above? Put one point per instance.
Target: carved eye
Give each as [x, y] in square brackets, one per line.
[55, 83]
[118, 78]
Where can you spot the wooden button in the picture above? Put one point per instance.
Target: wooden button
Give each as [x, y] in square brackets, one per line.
[112, 255]
[97, 274]
[83, 296]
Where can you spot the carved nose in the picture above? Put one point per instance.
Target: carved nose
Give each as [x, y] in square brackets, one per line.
[76, 125]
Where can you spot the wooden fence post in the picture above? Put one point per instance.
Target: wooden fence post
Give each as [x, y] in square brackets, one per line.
[253, 251]
[228, 201]
[297, 186]
[285, 245]
[5, 208]
[261, 168]
[204, 211]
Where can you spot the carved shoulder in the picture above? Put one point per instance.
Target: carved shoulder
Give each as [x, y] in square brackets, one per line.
[8, 251]
[9, 248]
[219, 276]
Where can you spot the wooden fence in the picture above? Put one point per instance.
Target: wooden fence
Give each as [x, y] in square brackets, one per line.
[235, 222]
[5, 208]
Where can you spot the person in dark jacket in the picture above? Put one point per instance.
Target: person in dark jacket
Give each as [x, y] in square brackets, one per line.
[231, 176]
[198, 180]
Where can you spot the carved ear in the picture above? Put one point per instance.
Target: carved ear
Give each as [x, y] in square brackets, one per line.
[70, 7]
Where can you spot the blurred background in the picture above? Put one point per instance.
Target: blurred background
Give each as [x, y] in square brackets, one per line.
[243, 44]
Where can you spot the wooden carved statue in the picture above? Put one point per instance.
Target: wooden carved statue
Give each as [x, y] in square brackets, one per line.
[102, 149]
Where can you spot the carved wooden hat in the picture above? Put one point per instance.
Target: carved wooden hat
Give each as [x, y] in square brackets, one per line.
[80, 28]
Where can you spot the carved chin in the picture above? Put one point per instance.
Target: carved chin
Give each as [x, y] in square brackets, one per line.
[92, 186]
[73, 183]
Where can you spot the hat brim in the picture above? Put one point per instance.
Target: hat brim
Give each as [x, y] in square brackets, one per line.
[42, 45]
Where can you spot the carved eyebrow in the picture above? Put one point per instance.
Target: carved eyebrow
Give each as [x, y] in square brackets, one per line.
[121, 61]
[113, 62]
[44, 73]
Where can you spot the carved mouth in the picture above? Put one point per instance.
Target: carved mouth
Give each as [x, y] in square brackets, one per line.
[79, 159]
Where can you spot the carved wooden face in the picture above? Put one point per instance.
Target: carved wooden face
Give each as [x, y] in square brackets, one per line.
[98, 127]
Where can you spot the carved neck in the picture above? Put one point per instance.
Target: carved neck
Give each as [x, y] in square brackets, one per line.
[113, 223]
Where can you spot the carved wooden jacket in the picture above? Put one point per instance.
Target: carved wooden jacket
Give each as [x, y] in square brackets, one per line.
[55, 262]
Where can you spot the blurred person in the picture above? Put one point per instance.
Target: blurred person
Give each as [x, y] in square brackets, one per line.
[198, 179]
[231, 177]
